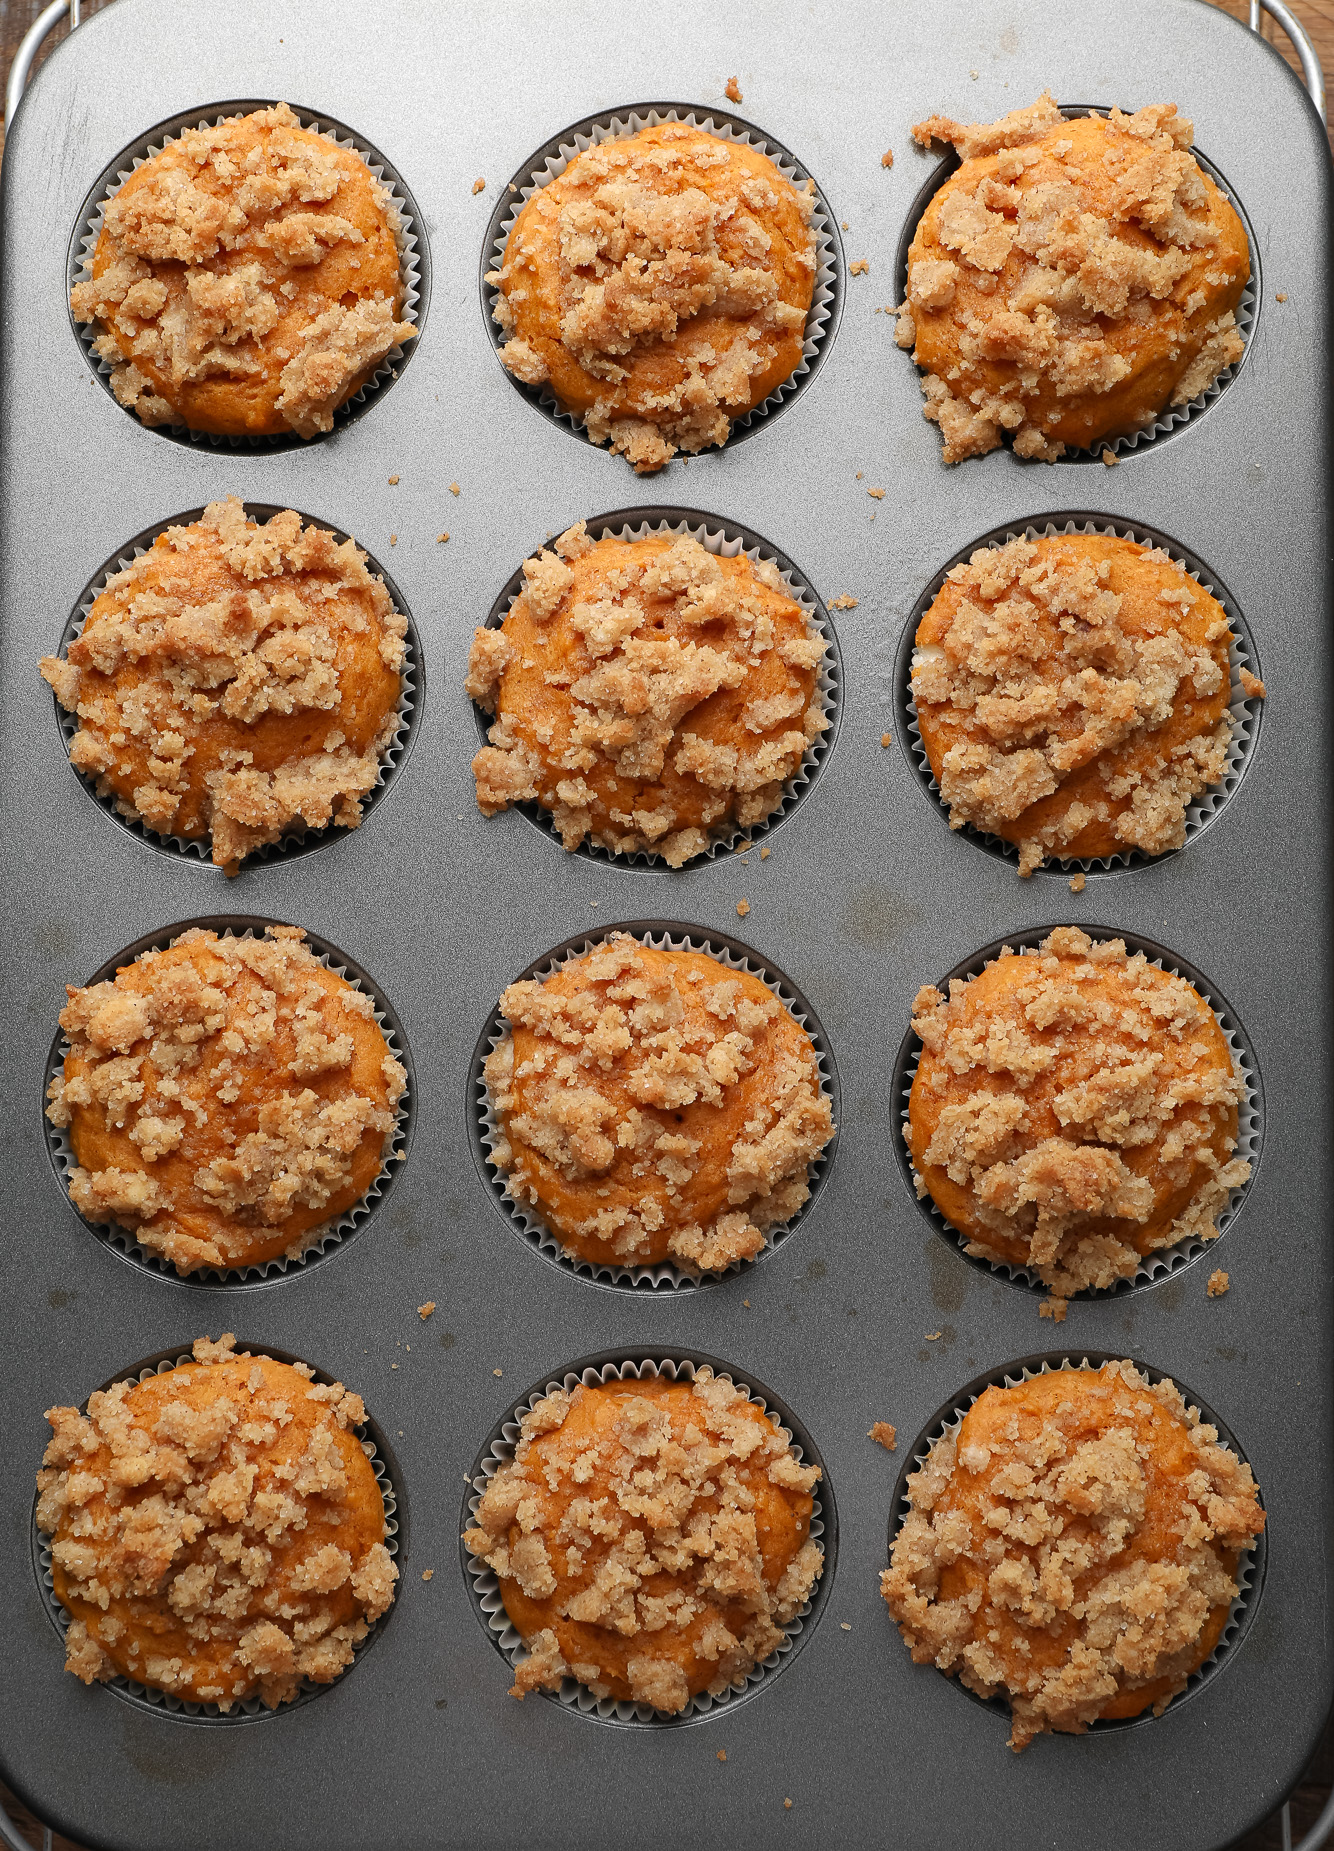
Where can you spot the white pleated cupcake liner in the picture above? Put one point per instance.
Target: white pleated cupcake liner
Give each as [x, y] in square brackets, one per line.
[665, 1276]
[320, 1239]
[1172, 417]
[1250, 1569]
[615, 126]
[488, 1601]
[724, 539]
[1243, 708]
[300, 836]
[252, 1707]
[1163, 1260]
[407, 236]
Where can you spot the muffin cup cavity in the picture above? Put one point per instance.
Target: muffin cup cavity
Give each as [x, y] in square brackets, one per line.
[414, 262]
[1172, 418]
[725, 540]
[300, 838]
[321, 1240]
[648, 1366]
[1247, 711]
[554, 157]
[1163, 1261]
[664, 1277]
[161, 1702]
[1250, 1571]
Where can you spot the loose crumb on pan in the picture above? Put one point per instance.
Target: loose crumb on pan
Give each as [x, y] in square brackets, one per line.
[394, 481]
[225, 1098]
[424, 1311]
[217, 1530]
[1073, 1546]
[1110, 458]
[651, 1539]
[1070, 281]
[1280, 297]
[1072, 695]
[1053, 1308]
[479, 185]
[1077, 882]
[1219, 1281]
[441, 538]
[722, 1754]
[1252, 686]
[765, 853]
[860, 267]
[886, 739]
[884, 1435]
[201, 668]
[650, 695]
[843, 603]
[732, 90]
[656, 1106]
[876, 494]
[427, 1574]
[887, 158]
[454, 488]
[742, 908]
[1074, 1110]
[933, 1335]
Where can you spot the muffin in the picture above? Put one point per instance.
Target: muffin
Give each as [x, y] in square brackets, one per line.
[217, 1532]
[1071, 281]
[655, 1106]
[1073, 1546]
[246, 280]
[659, 288]
[651, 1539]
[1072, 695]
[648, 694]
[236, 681]
[226, 1099]
[1074, 1111]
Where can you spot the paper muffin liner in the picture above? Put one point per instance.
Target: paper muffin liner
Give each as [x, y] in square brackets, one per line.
[321, 1239]
[252, 1707]
[414, 265]
[725, 540]
[484, 1588]
[300, 838]
[1163, 1261]
[1250, 1570]
[1171, 418]
[666, 1276]
[1246, 710]
[552, 160]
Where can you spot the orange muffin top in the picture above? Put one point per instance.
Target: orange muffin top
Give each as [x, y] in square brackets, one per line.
[1074, 1547]
[235, 681]
[646, 693]
[226, 1098]
[217, 1530]
[246, 279]
[656, 1106]
[1071, 280]
[651, 1539]
[660, 288]
[1074, 1110]
[1072, 695]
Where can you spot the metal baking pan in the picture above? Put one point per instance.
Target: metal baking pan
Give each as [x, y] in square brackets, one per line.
[865, 896]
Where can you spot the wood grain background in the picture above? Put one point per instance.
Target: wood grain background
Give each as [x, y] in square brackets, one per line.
[1318, 17]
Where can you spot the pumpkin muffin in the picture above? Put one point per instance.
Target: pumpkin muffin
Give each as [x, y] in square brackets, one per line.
[1071, 280]
[246, 280]
[226, 1098]
[651, 1539]
[1072, 695]
[1073, 1111]
[236, 681]
[655, 1106]
[647, 693]
[659, 288]
[216, 1531]
[1073, 1547]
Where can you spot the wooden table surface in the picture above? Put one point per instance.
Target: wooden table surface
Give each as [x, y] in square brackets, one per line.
[1318, 17]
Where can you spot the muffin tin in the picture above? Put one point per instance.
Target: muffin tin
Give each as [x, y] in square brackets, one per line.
[863, 1312]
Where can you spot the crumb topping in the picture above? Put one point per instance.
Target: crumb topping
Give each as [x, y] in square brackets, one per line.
[225, 1098]
[660, 287]
[655, 1105]
[1072, 695]
[1071, 280]
[1074, 1110]
[246, 279]
[235, 681]
[651, 1539]
[648, 694]
[1073, 1547]
[217, 1530]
